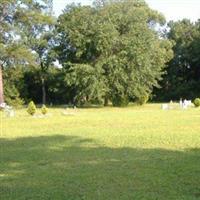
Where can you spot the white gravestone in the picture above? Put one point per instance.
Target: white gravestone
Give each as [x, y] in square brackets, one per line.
[165, 107]
[9, 111]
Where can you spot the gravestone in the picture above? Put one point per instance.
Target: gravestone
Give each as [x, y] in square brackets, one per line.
[2, 105]
[181, 103]
[165, 107]
[9, 111]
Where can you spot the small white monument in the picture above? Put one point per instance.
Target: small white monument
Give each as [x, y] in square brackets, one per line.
[9, 111]
[185, 104]
[181, 103]
[165, 107]
[2, 105]
[171, 105]
[188, 103]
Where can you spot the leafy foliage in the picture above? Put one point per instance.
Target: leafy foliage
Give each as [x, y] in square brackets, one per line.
[31, 108]
[129, 65]
[113, 51]
[44, 110]
[87, 83]
[143, 99]
[182, 77]
[57, 91]
[13, 86]
[197, 102]
[21, 23]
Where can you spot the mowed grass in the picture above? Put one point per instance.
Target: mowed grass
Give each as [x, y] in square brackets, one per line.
[134, 153]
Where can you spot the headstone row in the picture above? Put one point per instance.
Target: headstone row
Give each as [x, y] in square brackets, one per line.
[182, 104]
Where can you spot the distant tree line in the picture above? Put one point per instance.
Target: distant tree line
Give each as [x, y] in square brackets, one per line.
[113, 51]
[182, 77]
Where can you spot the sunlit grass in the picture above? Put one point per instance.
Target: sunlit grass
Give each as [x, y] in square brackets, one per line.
[102, 153]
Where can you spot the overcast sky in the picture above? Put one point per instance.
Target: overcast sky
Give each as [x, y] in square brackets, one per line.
[172, 9]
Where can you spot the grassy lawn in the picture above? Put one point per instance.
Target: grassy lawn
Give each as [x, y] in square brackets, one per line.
[134, 153]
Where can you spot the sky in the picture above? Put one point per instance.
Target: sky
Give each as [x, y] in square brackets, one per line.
[172, 9]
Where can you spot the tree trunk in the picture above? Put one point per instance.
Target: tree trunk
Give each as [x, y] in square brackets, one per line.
[106, 101]
[1, 86]
[43, 92]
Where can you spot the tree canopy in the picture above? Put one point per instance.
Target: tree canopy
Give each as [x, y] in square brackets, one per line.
[21, 24]
[111, 51]
[117, 41]
[182, 79]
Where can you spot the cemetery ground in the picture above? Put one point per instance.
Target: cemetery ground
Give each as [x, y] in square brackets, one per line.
[101, 154]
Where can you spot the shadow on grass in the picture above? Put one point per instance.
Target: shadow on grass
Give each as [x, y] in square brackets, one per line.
[73, 168]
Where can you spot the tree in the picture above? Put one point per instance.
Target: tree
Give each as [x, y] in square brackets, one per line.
[4, 29]
[39, 38]
[130, 64]
[13, 52]
[43, 47]
[15, 15]
[182, 78]
[86, 82]
[14, 85]
[81, 74]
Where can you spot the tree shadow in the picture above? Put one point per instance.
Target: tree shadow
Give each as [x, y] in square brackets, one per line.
[74, 168]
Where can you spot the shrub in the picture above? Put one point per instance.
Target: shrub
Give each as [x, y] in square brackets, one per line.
[143, 99]
[31, 108]
[16, 103]
[44, 110]
[119, 101]
[197, 102]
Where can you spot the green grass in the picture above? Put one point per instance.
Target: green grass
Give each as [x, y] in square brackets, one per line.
[134, 153]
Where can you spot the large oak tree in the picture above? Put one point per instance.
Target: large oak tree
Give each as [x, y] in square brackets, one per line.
[113, 50]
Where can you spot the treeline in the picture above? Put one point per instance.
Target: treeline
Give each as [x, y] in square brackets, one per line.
[113, 51]
[182, 78]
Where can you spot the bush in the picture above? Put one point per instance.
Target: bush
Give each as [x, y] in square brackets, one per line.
[31, 108]
[119, 101]
[143, 99]
[197, 102]
[44, 110]
[16, 103]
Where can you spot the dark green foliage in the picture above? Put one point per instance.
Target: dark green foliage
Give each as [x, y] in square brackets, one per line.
[57, 92]
[13, 86]
[143, 99]
[110, 52]
[125, 67]
[44, 110]
[24, 30]
[197, 102]
[31, 108]
[87, 82]
[119, 101]
[17, 102]
[182, 77]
